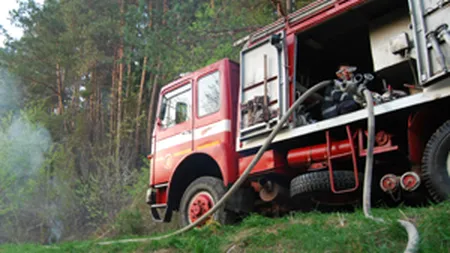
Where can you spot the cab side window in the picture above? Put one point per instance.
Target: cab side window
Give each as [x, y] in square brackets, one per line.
[176, 106]
[208, 94]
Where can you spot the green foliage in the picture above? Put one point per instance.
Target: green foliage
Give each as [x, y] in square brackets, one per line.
[301, 232]
[130, 222]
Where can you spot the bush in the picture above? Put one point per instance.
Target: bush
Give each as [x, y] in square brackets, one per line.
[130, 222]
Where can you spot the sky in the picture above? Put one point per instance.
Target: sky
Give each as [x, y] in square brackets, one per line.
[5, 7]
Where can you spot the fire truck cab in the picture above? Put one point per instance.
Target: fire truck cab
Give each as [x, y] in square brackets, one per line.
[211, 122]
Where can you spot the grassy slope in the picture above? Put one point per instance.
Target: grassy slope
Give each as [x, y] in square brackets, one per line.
[302, 232]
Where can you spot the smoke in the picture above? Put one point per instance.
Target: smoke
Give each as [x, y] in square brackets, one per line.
[25, 142]
[23, 146]
[28, 144]
[9, 94]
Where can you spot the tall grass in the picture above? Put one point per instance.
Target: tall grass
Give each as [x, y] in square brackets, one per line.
[299, 232]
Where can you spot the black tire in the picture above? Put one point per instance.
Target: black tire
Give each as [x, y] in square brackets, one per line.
[313, 190]
[216, 189]
[435, 164]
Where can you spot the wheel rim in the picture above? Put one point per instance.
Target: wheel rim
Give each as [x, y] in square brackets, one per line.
[200, 204]
[448, 164]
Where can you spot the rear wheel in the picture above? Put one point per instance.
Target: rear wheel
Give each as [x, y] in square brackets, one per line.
[200, 196]
[436, 164]
[313, 190]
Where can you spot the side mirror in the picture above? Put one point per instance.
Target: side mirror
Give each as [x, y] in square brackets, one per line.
[162, 110]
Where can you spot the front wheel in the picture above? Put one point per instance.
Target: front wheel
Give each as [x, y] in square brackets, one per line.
[200, 196]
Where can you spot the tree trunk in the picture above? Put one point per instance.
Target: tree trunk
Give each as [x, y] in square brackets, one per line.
[288, 6]
[120, 83]
[152, 107]
[129, 80]
[150, 12]
[95, 106]
[165, 10]
[94, 93]
[138, 107]
[279, 7]
[60, 89]
[100, 115]
[113, 98]
[91, 109]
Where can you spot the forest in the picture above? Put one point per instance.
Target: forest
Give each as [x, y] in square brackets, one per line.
[78, 93]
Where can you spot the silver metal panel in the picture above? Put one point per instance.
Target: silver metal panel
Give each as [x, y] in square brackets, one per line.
[419, 32]
[381, 32]
[426, 16]
[432, 5]
[254, 64]
[434, 20]
[437, 91]
[252, 72]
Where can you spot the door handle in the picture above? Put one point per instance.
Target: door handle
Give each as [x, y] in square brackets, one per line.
[186, 132]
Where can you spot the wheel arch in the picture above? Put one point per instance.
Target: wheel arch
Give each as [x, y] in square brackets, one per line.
[192, 167]
[421, 126]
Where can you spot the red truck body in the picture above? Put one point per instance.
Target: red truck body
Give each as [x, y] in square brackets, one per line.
[213, 135]
[203, 128]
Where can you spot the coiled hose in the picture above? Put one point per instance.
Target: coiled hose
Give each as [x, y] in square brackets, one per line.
[412, 232]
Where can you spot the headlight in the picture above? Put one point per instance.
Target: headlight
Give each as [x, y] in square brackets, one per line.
[148, 196]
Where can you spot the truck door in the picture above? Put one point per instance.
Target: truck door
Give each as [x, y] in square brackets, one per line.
[210, 125]
[264, 86]
[173, 130]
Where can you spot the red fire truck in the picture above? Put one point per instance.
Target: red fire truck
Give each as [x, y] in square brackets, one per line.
[212, 122]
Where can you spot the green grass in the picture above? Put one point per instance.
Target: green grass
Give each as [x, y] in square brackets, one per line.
[301, 232]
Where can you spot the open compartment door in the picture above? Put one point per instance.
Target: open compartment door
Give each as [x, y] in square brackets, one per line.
[264, 89]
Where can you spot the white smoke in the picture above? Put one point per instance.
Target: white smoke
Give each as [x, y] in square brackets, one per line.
[25, 142]
[9, 94]
[23, 145]
[28, 144]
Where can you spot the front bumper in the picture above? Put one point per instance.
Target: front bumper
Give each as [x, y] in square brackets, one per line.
[150, 196]
[155, 209]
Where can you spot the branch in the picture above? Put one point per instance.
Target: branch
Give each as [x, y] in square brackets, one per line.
[41, 83]
[232, 31]
[279, 7]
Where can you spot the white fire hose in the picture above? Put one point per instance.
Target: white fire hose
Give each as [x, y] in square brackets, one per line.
[412, 232]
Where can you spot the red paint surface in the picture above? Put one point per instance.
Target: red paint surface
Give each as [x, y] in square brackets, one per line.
[415, 140]
[270, 160]
[161, 196]
[318, 153]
